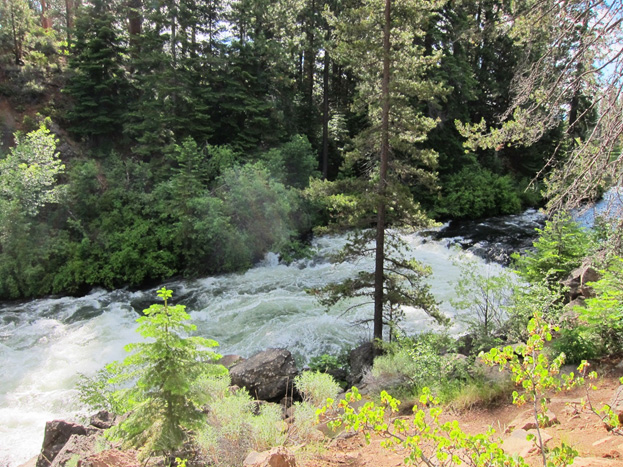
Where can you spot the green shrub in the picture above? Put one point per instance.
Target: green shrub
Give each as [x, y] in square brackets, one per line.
[604, 311]
[413, 363]
[234, 425]
[561, 247]
[475, 192]
[316, 387]
[483, 298]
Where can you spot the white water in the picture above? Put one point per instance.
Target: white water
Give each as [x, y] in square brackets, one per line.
[44, 344]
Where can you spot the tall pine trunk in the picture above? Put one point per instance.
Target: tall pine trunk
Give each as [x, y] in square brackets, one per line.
[380, 221]
[325, 115]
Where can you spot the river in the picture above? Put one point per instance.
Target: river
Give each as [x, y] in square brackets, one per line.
[45, 344]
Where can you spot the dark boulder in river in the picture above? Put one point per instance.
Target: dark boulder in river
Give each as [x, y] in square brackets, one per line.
[267, 375]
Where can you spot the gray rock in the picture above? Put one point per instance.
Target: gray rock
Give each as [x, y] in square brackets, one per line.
[361, 359]
[267, 375]
[229, 361]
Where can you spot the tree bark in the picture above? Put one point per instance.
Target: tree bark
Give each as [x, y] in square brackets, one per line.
[325, 115]
[46, 23]
[379, 267]
[69, 18]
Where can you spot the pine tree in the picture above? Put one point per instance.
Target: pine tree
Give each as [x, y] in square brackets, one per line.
[382, 44]
[98, 85]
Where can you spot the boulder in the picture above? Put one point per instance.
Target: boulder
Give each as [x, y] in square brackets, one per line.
[577, 280]
[361, 359]
[103, 420]
[79, 447]
[229, 361]
[267, 375]
[57, 433]
[276, 457]
[517, 442]
[526, 421]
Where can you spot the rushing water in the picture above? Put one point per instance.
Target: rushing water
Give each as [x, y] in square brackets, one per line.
[45, 344]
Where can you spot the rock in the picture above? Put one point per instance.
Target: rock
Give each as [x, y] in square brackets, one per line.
[103, 420]
[111, 458]
[229, 361]
[79, 447]
[577, 280]
[57, 433]
[276, 457]
[525, 421]
[267, 375]
[361, 358]
[616, 403]
[518, 444]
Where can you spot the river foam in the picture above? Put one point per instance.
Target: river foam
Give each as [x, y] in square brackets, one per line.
[45, 344]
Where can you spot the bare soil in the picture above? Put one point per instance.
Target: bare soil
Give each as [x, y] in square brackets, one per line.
[577, 427]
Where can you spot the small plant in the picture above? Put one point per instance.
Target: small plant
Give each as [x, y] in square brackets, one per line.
[234, 424]
[160, 373]
[426, 439]
[316, 387]
[483, 297]
[608, 416]
[537, 375]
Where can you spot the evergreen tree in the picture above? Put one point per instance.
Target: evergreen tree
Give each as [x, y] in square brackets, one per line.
[98, 85]
[382, 43]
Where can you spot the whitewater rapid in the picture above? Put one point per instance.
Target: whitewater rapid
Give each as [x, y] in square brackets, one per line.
[45, 344]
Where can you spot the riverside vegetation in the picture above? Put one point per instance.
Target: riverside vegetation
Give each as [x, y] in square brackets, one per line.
[194, 415]
[147, 140]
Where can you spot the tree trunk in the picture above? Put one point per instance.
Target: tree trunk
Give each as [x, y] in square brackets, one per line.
[69, 18]
[17, 46]
[135, 22]
[310, 57]
[325, 115]
[46, 23]
[380, 222]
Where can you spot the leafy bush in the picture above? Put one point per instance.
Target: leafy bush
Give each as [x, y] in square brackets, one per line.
[604, 312]
[411, 364]
[483, 297]
[476, 192]
[316, 387]
[234, 424]
[293, 163]
[561, 247]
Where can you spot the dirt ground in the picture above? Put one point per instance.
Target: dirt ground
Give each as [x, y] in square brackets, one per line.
[577, 427]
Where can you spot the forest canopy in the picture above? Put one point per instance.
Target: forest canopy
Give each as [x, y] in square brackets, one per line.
[180, 136]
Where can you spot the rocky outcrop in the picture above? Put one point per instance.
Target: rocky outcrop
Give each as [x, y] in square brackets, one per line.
[267, 375]
[79, 447]
[66, 441]
[57, 433]
[276, 457]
